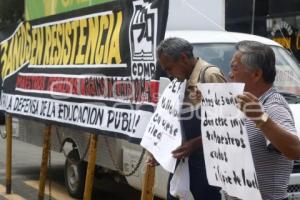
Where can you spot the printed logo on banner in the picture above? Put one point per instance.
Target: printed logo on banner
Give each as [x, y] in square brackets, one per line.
[143, 37]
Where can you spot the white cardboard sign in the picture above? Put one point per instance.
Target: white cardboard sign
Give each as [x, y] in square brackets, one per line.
[227, 153]
[163, 132]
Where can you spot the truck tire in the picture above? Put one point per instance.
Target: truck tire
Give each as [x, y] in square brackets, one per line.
[75, 171]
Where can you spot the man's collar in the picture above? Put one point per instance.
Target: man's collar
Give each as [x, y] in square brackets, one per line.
[266, 93]
[194, 77]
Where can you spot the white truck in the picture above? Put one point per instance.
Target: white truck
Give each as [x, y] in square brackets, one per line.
[190, 20]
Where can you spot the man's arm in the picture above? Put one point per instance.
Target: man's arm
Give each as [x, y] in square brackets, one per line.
[282, 139]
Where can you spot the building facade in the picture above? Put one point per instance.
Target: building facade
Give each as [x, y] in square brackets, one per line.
[276, 19]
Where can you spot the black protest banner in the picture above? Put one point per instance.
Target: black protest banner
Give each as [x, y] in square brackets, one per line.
[93, 68]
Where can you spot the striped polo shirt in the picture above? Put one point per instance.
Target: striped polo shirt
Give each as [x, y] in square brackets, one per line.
[272, 168]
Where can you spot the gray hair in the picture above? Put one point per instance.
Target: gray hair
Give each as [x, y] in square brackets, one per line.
[257, 55]
[174, 47]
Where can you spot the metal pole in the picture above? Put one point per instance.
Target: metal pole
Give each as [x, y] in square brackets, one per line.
[253, 16]
[8, 126]
[44, 164]
[148, 183]
[89, 181]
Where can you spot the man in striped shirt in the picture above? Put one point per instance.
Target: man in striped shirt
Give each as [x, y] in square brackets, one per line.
[270, 126]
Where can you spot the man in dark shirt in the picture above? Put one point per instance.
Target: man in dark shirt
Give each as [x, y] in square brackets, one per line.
[176, 58]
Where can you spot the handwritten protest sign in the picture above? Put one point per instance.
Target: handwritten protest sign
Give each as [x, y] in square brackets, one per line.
[227, 153]
[163, 132]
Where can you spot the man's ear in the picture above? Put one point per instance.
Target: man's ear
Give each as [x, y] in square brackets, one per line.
[184, 58]
[258, 74]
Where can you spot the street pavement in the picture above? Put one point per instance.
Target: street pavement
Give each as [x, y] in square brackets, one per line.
[25, 177]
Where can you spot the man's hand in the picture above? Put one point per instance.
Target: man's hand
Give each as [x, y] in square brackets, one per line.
[250, 105]
[151, 161]
[187, 148]
[193, 95]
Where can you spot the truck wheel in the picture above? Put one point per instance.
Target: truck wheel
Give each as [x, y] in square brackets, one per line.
[75, 171]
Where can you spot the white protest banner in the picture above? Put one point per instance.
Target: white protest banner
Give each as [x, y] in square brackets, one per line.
[163, 132]
[227, 153]
[124, 122]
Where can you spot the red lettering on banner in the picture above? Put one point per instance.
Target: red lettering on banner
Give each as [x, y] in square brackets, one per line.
[63, 85]
[106, 87]
[30, 82]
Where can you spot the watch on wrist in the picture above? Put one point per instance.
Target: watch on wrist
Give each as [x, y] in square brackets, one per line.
[262, 120]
